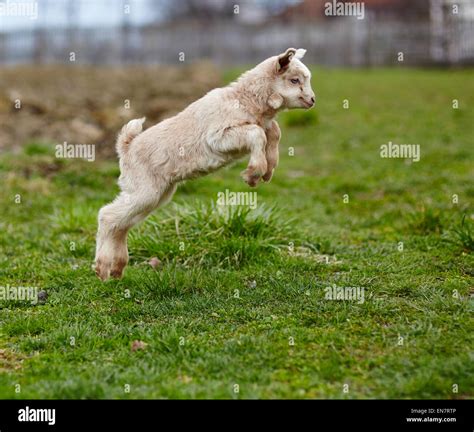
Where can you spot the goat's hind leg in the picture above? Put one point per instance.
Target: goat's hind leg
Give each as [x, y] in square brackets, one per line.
[115, 220]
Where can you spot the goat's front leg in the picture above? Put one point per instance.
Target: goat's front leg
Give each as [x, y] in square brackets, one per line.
[248, 138]
[273, 134]
[257, 166]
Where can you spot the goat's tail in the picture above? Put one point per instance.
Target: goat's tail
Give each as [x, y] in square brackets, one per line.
[127, 134]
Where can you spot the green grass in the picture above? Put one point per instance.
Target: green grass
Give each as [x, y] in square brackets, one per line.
[239, 297]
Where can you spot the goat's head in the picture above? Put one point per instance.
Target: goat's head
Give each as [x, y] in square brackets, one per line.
[291, 81]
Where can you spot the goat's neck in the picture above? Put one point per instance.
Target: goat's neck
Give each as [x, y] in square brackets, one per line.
[253, 95]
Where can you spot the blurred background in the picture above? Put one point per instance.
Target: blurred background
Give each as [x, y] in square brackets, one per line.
[235, 32]
[77, 70]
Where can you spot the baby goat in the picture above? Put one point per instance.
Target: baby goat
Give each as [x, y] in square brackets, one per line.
[224, 125]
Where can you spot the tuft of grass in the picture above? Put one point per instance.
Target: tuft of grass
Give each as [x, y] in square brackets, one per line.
[426, 221]
[463, 234]
[214, 235]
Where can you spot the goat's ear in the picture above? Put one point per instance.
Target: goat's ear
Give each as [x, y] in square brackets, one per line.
[275, 101]
[284, 59]
[300, 53]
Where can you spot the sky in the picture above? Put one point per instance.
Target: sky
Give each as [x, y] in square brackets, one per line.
[52, 13]
[87, 13]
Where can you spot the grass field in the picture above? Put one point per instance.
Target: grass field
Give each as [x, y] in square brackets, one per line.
[238, 306]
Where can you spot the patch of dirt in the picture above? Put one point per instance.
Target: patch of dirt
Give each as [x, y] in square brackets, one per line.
[9, 360]
[89, 105]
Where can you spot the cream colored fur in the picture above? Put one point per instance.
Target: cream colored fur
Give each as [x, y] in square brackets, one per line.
[221, 127]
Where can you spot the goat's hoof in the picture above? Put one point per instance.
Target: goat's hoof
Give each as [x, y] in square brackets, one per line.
[253, 182]
[268, 176]
[251, 176]
[102, 269]
[117, 269]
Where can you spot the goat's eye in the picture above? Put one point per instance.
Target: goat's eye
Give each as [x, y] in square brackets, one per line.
[295, 81]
